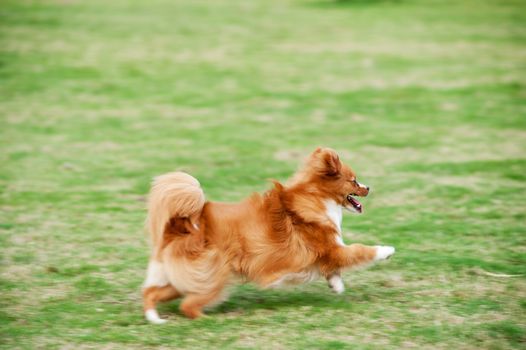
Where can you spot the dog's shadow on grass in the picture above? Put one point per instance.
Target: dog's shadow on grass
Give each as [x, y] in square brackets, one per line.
[247, 299]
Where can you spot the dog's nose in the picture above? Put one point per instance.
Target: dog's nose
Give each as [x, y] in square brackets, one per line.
[367, 188]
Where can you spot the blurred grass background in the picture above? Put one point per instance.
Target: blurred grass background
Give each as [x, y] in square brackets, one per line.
[425, 99]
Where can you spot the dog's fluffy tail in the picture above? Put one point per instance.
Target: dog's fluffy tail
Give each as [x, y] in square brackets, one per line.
[173, 195]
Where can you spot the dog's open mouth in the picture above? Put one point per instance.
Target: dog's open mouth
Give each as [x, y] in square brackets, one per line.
[352, 203]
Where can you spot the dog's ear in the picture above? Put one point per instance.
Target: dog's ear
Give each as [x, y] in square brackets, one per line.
[333, 165]
[326, 161]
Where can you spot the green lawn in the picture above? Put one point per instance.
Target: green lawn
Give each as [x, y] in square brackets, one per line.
[425, 99]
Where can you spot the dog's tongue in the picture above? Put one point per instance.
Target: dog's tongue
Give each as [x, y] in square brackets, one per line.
[356, 205]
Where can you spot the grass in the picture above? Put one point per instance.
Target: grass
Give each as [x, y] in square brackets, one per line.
[426, 100]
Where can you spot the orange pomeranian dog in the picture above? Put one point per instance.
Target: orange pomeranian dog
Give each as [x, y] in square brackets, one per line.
[289, 234]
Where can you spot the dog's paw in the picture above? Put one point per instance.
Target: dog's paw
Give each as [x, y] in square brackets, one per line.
[383, 252]
[336, 284]
[152, 316]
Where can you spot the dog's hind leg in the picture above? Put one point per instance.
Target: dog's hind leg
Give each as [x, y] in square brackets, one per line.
[156, 289]
[193, 304]
[152, 296]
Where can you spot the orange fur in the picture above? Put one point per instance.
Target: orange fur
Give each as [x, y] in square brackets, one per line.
[281, 236]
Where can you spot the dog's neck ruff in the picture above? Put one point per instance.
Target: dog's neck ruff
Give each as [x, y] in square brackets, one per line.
[334, 213]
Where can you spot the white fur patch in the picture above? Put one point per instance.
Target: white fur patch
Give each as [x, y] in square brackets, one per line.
[155, 276]
[336, 284]
[383, 252]
[334, 212]
[152, 316]
[361, 185]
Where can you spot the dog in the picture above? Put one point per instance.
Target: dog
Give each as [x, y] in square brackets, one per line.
[289, 234]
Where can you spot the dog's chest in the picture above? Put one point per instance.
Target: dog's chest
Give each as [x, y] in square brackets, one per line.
[335, 214]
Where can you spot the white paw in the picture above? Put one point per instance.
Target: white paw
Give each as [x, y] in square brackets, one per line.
[152, 316]
[383, 252]
[336, 284]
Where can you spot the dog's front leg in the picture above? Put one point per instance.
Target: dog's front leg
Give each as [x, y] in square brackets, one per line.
[355, 255]
[335, 282]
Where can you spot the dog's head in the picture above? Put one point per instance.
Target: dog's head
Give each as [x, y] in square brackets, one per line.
[334, 179]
